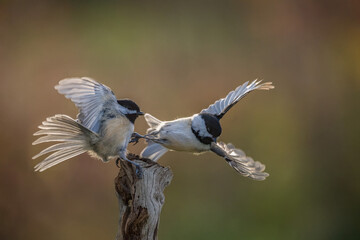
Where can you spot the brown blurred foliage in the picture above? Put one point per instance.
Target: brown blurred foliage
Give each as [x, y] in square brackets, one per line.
[174, 58]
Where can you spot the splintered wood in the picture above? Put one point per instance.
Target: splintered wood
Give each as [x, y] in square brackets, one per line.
[140, 200]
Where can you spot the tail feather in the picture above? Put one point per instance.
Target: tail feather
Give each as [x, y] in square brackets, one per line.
[57, 138]
[55, 126]
[74, 140]
[56, 147]
[153, 151]
[152, 121]
[42, 166]
[60, 132]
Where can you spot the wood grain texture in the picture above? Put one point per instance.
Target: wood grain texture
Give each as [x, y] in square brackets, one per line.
[140, 200]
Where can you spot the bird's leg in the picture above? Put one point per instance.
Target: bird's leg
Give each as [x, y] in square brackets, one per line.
[139, 172]
[136, 136]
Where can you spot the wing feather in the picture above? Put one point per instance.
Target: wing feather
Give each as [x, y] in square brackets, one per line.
[222, 106]
[90, 97]
[238, 160]
[153, 151]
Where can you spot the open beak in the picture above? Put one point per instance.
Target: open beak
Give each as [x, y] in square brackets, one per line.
[140, 113]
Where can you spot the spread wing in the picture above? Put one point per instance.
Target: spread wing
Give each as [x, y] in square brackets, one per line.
[153, 151]
[90, 97]
[237, 159]
[220, 107]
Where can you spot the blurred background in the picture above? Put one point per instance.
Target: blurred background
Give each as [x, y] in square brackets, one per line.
[174, 58]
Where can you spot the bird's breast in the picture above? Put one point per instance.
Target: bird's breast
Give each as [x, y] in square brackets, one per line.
[179, 137]
[115, 135]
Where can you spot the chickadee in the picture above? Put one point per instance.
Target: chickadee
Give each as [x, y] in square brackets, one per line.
[199, 133]
[103, 127]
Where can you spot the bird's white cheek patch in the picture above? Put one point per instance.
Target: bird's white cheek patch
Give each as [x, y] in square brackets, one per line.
[125, 110]
[198, 124]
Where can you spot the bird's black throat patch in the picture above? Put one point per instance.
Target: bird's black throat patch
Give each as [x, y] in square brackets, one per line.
[204, 140]
[132, 117]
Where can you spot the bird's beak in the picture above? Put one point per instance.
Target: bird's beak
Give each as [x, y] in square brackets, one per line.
[140, 113]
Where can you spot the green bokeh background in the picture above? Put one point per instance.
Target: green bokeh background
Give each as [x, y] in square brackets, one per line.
[174, 58]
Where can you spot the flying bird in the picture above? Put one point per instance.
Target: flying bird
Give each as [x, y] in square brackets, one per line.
[103, 126]
[199, 133]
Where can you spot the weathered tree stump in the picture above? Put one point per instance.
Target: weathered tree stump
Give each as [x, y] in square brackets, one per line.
[140, 200]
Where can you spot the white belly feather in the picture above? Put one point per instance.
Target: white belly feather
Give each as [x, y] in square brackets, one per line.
[180, 137]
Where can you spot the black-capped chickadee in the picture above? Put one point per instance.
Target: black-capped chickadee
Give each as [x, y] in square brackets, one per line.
[103, 126]
[199, 133]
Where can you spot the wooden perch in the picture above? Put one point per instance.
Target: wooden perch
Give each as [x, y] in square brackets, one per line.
[140, 200]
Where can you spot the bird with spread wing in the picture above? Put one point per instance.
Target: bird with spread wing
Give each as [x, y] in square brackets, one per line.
[103, 126]
[199, 133]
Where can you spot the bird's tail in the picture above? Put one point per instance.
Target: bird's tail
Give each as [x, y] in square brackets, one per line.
[152, 121]
[153, 150]
[74, 139]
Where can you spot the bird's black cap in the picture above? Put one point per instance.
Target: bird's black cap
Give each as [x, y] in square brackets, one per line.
[131, 105]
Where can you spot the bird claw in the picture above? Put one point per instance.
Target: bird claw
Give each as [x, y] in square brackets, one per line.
[135, 138]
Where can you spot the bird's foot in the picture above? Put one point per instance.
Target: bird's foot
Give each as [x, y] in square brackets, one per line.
[135, 137]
